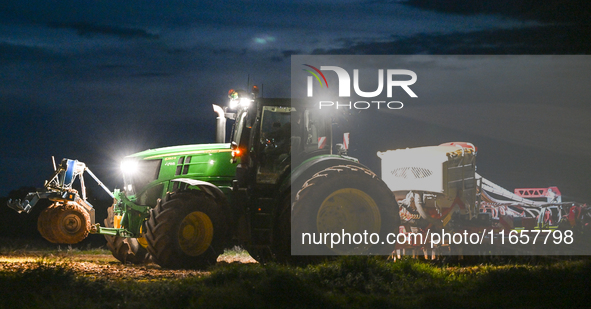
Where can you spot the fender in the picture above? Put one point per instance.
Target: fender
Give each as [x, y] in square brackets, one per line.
[313, 165]
[204, 186]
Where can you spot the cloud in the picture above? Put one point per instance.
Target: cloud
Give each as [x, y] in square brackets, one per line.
[555, 39]
[90, 29]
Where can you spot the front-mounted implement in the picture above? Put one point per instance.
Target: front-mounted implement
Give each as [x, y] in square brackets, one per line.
[70, 218]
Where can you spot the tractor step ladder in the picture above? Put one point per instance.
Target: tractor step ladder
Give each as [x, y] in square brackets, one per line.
[262, 222]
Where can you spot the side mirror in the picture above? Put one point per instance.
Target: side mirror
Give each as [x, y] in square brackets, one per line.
[248, 121]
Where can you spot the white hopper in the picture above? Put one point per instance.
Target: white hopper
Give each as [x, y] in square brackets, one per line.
[439, 169]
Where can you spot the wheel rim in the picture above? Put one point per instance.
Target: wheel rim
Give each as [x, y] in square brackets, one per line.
[195, 233]
[142, 240]
[352, 210]
[71, 223]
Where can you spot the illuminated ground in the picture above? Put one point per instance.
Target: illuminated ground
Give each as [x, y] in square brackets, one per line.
[101, 264]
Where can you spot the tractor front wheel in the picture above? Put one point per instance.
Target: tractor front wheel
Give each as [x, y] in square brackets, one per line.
[126, 249]
[189, 230]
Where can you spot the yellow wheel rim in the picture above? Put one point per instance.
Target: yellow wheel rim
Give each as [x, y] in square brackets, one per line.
[353, 211]
[142, 240]
[195, 233]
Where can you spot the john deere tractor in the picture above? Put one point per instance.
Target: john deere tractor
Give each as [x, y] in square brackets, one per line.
[182, 206]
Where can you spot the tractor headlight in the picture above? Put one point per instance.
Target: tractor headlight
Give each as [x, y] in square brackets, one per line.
[129, 167]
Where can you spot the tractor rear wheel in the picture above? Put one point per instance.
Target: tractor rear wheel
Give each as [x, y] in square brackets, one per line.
[64, 223]
[126, 249]
[350, 198]
[189, 230]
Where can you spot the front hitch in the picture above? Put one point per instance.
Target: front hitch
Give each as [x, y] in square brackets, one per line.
[20, 206]
[32, 198]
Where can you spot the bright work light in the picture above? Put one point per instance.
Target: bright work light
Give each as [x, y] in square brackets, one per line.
[129, 167]
[239, 99]
[245, 102]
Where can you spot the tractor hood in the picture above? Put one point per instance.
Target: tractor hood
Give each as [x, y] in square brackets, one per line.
[147, 173]
[185, 150]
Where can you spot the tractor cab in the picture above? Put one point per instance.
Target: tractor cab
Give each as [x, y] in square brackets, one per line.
[283, 133]
[268, 137]
[268, 134]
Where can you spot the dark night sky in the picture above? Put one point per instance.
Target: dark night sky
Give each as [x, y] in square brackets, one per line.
[98, 80]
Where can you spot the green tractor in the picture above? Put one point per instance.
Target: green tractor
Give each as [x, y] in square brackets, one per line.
[182, 206]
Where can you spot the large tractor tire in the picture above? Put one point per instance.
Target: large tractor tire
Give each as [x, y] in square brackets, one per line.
[345, 197]
[189, 230]
[64, 223]
[126, 250]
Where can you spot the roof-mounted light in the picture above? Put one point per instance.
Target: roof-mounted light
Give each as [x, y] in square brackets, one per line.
[239, 99]
[244, 102]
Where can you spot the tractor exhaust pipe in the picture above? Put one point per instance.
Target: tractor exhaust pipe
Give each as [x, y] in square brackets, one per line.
[220, 134]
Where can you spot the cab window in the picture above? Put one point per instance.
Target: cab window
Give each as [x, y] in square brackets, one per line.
[275, 142]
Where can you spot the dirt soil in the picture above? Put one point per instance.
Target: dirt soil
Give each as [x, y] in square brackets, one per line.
[105, 266]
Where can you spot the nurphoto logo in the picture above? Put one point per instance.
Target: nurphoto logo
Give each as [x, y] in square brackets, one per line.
[392, 77]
